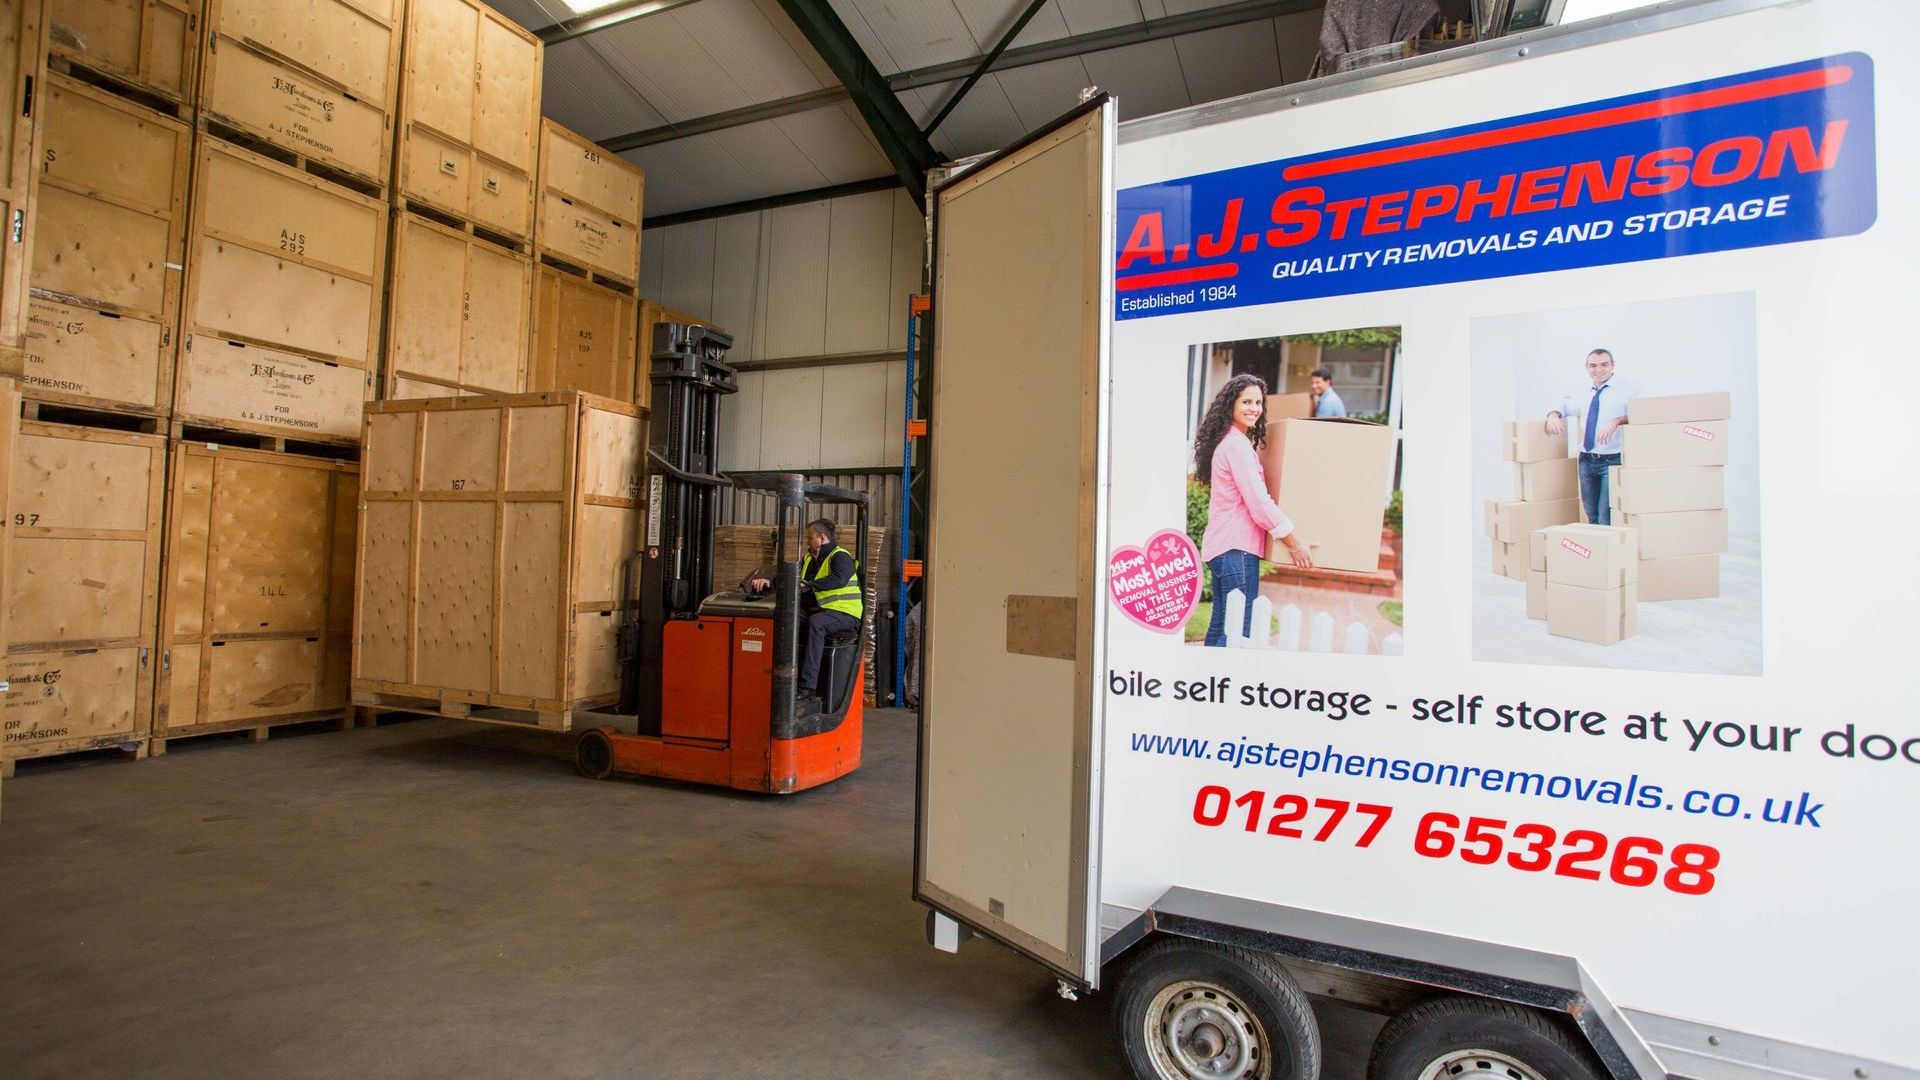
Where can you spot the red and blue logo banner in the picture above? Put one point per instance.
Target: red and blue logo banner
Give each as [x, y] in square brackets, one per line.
[1777, 156]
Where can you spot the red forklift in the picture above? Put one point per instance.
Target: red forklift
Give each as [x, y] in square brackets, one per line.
[710, 679]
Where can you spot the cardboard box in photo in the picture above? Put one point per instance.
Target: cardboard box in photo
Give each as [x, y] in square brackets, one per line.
[1526, 441]
[1683, 577]
[1671, 446]
[1592, 556]
[1600, 616]
[1684, 532]
[1537, 551]
[1288, 407]
[1330, 477]
[1679, 408]
[1512, 560]
[1546, 481]
[1512, 521]
[1536, 594]
[1665, 491]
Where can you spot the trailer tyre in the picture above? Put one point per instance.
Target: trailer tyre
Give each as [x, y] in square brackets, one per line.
[1187, 1010]
[1473, 1036]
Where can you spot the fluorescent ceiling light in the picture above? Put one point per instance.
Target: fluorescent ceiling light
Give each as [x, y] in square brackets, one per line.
[587, 7]
[1575, 10]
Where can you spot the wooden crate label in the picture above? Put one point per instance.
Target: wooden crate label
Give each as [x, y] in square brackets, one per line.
[586, 237]
[288, 109]
[265, 389]
[62, 697]
[94, 354]
[254, 201]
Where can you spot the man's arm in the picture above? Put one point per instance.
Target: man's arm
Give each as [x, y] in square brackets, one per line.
[1557, 418]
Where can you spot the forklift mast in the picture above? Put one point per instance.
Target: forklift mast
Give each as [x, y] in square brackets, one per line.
[675, 569]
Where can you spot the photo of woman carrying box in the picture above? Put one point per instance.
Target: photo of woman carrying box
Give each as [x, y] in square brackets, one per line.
[1240, 513]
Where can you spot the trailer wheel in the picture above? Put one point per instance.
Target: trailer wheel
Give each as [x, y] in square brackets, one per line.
[1463, 1036]
[593, 755]
[1187, 1010]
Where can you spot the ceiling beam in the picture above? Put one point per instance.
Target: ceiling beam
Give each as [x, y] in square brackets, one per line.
[615, 14]
[769, 202]
[986, 63]
[1100, 40]
[752, 114]
[905, 146]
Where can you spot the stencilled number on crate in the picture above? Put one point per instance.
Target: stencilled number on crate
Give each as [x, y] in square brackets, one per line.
[293, 242]
[466, 306]
[26, 519]
[459, 485]
[592, 155]
[273, 590]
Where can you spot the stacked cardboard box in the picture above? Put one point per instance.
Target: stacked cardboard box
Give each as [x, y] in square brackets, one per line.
[1670, 488]
[1587, 582]
[1546, 491]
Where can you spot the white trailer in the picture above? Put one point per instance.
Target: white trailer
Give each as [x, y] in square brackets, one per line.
[1688, 851]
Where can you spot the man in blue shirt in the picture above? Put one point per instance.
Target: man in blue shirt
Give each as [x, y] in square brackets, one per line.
[1599, 412]
[1325, 402]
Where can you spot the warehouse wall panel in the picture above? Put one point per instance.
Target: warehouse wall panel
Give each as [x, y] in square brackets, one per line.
[909, 267]
[740, 425]
[790, 418]
[796, 303]
[690, 253]
[853, 427]
[736, 270]
[859, 270]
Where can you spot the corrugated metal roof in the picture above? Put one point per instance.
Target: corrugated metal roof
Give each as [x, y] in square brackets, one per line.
[582, 91]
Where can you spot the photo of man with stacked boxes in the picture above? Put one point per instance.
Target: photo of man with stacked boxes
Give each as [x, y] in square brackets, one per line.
[1628, 505]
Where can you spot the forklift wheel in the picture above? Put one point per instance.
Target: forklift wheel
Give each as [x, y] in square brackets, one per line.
[593, 755]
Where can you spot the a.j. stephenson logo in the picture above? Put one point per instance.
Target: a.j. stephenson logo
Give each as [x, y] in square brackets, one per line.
[1768, 157]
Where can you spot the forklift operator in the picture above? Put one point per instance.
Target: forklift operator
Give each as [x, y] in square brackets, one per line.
[829, 596]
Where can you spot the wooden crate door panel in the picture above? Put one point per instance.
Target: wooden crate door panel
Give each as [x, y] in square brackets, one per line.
[506, 103]
[346, 523]
[67, 697]
[71, 482]
[537, 448]
[612, 464]
[249, 680]
[1019, 301]
[462, 451]
[499, 294]
[533, 592]
[390, 451]
[454, 625]
[95, 353]
[429, 285]
[92, 250]
[76, 590]
[440, 66]
[386, 593]
[249, 294]
[270, 529]
[608, 536]
[189, 522]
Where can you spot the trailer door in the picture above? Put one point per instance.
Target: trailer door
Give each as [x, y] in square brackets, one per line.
[1008, 782]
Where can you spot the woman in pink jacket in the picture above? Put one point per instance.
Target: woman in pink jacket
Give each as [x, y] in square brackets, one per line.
[1240, 513]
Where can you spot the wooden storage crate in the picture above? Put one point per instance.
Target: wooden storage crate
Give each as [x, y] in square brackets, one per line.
[493, 536]
[583, 337]
[237, 386]
[256, 613]
[652, 314]
[151, 47]
[311, 84]
[468, 116]
[281, 259]
[457, 310]
[83, 589]
[590, 202]
[23, 50]
[107, 261]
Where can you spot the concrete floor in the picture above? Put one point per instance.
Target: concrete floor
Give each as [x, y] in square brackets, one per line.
[436, 899]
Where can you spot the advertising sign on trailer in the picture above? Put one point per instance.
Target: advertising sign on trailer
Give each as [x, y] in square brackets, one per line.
[1495, 474]
[1651, 283]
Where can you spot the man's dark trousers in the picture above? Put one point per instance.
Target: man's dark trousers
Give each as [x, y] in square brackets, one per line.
[819, 625]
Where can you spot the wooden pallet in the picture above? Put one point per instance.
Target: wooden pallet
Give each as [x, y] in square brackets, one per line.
[255, 729]
[160, 102]
[186, 430]
[227, 133]
[588, 274]
[448, 707]
[125, 748]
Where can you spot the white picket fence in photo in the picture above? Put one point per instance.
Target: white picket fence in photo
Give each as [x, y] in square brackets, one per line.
[1321, 631]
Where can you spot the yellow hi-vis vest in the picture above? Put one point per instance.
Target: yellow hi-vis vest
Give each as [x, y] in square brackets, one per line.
[846, 599]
